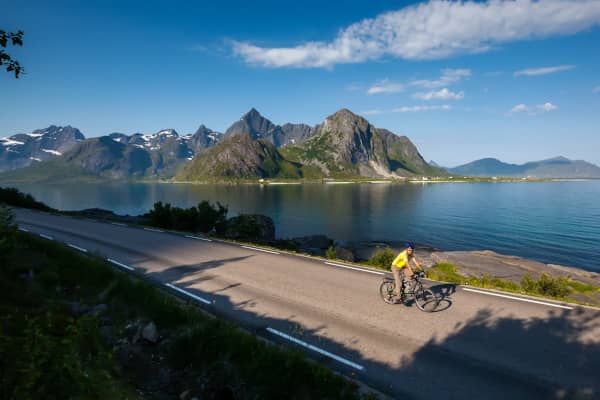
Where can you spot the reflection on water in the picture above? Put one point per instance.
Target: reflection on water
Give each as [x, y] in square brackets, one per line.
[556, 222]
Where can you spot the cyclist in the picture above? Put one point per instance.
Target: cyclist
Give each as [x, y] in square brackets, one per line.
[401, 267]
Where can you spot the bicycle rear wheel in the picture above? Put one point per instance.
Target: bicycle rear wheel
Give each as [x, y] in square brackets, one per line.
[387, 291]
[426, 300]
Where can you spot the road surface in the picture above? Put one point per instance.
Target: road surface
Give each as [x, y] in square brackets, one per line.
[478, 344]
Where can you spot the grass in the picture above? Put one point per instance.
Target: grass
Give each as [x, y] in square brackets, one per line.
[47, 352]
[560, 288]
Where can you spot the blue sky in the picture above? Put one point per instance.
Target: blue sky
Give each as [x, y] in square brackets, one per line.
[514, 80]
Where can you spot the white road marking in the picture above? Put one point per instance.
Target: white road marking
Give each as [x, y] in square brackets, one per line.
[118, 223]
[120, 264]
[193, 296]
[23, 229]
[518, 298]
[315, 348]
[198, 238]
[77, 248]
[354, 268]
[257, 249]
[152, 230]
[46, 236]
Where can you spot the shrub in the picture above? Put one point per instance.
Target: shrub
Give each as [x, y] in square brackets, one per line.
[382, 258]
[546, 285]
[14, 197]
[330, 253]
[204, 218]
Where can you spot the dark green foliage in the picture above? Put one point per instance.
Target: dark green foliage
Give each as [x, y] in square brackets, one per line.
[14, 197]
[16, 39]
[7, 233]
[47, 353]
[382, 258]
[203, 218]
[546, 285]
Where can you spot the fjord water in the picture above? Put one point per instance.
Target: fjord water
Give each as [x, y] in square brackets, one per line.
[553, 222]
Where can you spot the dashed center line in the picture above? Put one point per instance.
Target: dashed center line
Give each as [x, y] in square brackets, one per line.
[153, 230]
[517, 298]
[120, 264]
[317, 349]
[198, 238]
[263, 250]
[193, 296]
[354, 268]
[77, 248]
[46, 236]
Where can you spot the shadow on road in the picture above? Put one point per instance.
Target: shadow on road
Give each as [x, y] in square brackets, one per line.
[497, 357]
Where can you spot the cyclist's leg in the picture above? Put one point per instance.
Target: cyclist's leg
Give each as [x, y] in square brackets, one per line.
[408, 278]
[398, 279]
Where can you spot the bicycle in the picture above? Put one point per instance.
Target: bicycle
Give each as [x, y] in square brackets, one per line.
[423, 298]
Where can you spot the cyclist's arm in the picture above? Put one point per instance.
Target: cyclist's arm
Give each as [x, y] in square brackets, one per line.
[417, 264]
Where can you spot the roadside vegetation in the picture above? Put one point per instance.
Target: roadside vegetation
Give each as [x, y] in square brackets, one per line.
[204, 217]
[16, 198]
[73, 327]
[560, 288]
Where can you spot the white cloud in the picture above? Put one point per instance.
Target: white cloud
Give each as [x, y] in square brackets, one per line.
[533, 110]
[411, 109]
[373, 112]
[443, 94]
[385, 86]
[546, 107]
[449, 77]
[543, 70]
[432, 30]
[519, 108]
[596, 89]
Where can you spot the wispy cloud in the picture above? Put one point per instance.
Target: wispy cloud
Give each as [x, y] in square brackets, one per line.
[412, 109]
[385, 86]
[373, 112]
[447, 77]
[443, 94]
[543, 70]
[432, 30]
[532, 110]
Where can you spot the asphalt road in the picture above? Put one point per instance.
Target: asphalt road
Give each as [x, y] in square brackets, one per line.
[477, 344]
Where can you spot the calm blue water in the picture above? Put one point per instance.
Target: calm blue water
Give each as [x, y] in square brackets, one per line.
[555, 222]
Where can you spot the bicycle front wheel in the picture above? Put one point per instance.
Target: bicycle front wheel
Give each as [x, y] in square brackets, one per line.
[387, 291]
[426, 300]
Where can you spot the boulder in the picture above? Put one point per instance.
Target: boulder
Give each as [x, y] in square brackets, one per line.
[253, 227]
[150, 333]
[313, 242]
[345, 254]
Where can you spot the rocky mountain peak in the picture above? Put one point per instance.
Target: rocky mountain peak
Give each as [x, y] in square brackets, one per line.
[252, 123]
[345, 121]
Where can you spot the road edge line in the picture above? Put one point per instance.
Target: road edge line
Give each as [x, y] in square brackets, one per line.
[120, 264]
[468, 289]
[193, 296]
[316, 349]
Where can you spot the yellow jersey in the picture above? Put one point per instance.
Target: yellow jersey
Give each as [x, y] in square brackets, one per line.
[401, 260]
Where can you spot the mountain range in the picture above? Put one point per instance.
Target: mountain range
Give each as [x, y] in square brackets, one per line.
[557, 167]
[344, 145]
